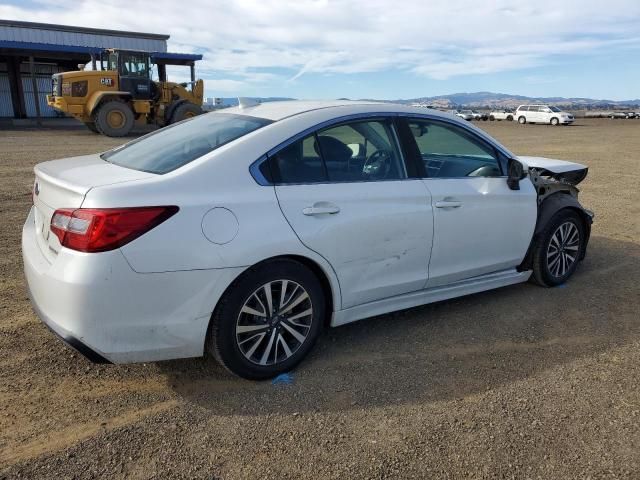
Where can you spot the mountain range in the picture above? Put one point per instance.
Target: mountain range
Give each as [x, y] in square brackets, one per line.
[490, 99]
[487, 99]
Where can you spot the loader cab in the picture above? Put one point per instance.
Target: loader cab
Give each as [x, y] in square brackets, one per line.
[134, 71]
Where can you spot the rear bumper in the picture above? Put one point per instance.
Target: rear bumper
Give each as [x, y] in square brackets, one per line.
[98, 305]
[67, 337]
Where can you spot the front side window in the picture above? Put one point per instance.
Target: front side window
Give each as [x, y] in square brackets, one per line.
[352, 152]
[174, 146]
[449, 151]
[134, 65]
[555, 109]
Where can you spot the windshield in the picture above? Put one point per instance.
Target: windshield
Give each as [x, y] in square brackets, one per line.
[172, 147]
[555, 109]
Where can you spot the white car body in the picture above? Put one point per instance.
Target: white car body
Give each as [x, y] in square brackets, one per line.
[464, 114]
[543, 114]
[393, 245]
[501, 115]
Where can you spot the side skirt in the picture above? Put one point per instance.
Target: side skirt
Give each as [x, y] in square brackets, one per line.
[422, 297]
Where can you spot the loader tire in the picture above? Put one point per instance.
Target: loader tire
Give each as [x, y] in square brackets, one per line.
[92, 126]
[114, 118]
[184, 111]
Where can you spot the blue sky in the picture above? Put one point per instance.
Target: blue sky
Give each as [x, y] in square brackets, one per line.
[383, 49]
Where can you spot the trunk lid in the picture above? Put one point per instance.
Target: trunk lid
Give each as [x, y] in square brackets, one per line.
[64, 184]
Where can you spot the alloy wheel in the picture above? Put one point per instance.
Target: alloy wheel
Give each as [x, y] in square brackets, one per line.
[274, 322]
[563, 249]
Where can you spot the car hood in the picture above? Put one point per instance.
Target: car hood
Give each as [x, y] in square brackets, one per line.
[570, 172]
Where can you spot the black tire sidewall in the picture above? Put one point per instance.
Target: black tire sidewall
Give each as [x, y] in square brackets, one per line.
[181, 110]
[541, 268]
[221, 341]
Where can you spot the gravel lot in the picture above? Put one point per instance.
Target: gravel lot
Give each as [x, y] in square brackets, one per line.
[522, 382]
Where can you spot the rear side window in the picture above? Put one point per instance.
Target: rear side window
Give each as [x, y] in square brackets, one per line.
[300, 162]
[352, 152]
[172, 147]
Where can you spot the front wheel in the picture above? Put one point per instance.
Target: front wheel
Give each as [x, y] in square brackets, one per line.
[114, 118]
[522, 120]
[268, 320]
[510, 118]
[184, 111]
[492, 118]
[558, 249]
[555, 121]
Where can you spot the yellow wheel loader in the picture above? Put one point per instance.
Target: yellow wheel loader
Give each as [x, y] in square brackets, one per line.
[122, 93]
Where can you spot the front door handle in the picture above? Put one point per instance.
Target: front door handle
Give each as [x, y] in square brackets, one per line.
[448, 204]
[321, 208]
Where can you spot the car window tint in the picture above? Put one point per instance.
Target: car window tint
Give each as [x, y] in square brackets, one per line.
[172, 147]
[299, 162]
[360, 151]
[449, 151]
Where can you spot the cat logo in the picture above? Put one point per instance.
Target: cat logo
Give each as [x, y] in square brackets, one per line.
[106, 81]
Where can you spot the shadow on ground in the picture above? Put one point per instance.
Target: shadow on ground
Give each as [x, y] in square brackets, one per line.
[447, 350]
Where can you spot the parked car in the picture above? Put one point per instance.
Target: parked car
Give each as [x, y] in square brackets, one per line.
[543, 114]
[469, 115]
[241, 233]
[465, 116]
[480, 115]
[616, 115]
[501, 115]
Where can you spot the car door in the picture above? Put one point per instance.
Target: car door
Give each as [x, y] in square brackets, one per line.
[480, 225]
[344, 190]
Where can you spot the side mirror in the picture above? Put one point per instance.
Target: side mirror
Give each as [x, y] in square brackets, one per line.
[515, 173]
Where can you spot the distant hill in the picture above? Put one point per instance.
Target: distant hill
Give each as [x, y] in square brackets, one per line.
[490, 99]
[485, 99]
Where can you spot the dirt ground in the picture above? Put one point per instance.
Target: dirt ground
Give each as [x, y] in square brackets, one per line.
[522, 382]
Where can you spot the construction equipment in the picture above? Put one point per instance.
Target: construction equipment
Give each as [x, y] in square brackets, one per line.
[122, 93]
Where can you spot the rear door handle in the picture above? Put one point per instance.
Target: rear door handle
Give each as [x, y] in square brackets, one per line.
[321, 208]
[448, 204]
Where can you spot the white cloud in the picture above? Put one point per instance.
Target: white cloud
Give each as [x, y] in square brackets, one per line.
[251, 42]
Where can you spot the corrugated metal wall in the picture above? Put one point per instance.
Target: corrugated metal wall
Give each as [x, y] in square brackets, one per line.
[41, 35]
[6, 106]
[44, 88]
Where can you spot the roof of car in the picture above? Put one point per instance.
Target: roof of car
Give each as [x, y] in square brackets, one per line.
[279, 110]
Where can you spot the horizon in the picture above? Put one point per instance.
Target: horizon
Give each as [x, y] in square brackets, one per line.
[357, 49]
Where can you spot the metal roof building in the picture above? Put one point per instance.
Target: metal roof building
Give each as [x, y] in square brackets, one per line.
[31, 52]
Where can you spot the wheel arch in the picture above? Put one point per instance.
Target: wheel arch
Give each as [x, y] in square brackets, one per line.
[546, 210]
[98, 98]
[328, 282]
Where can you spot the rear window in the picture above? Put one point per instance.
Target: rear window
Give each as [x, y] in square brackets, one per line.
[174, 146]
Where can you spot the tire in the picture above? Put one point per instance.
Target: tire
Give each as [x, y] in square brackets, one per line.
[555, 121]
[184, 111]
[92, 126]
[522, 120]
[510, 118]
[114, 118]
[492, 118]
[243, 352]
[548, 268]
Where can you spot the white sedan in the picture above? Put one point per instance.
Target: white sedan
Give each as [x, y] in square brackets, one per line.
[243, 233]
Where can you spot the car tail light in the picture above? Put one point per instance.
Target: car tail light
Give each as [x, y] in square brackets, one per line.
[102, 229]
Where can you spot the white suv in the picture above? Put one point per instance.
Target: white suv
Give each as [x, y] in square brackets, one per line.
[542, 114]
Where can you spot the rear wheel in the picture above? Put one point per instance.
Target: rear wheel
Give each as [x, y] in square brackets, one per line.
[268, 320]
[559, 248]
[492, 118]
[184, 111]
[114, 118]
[522, 120]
